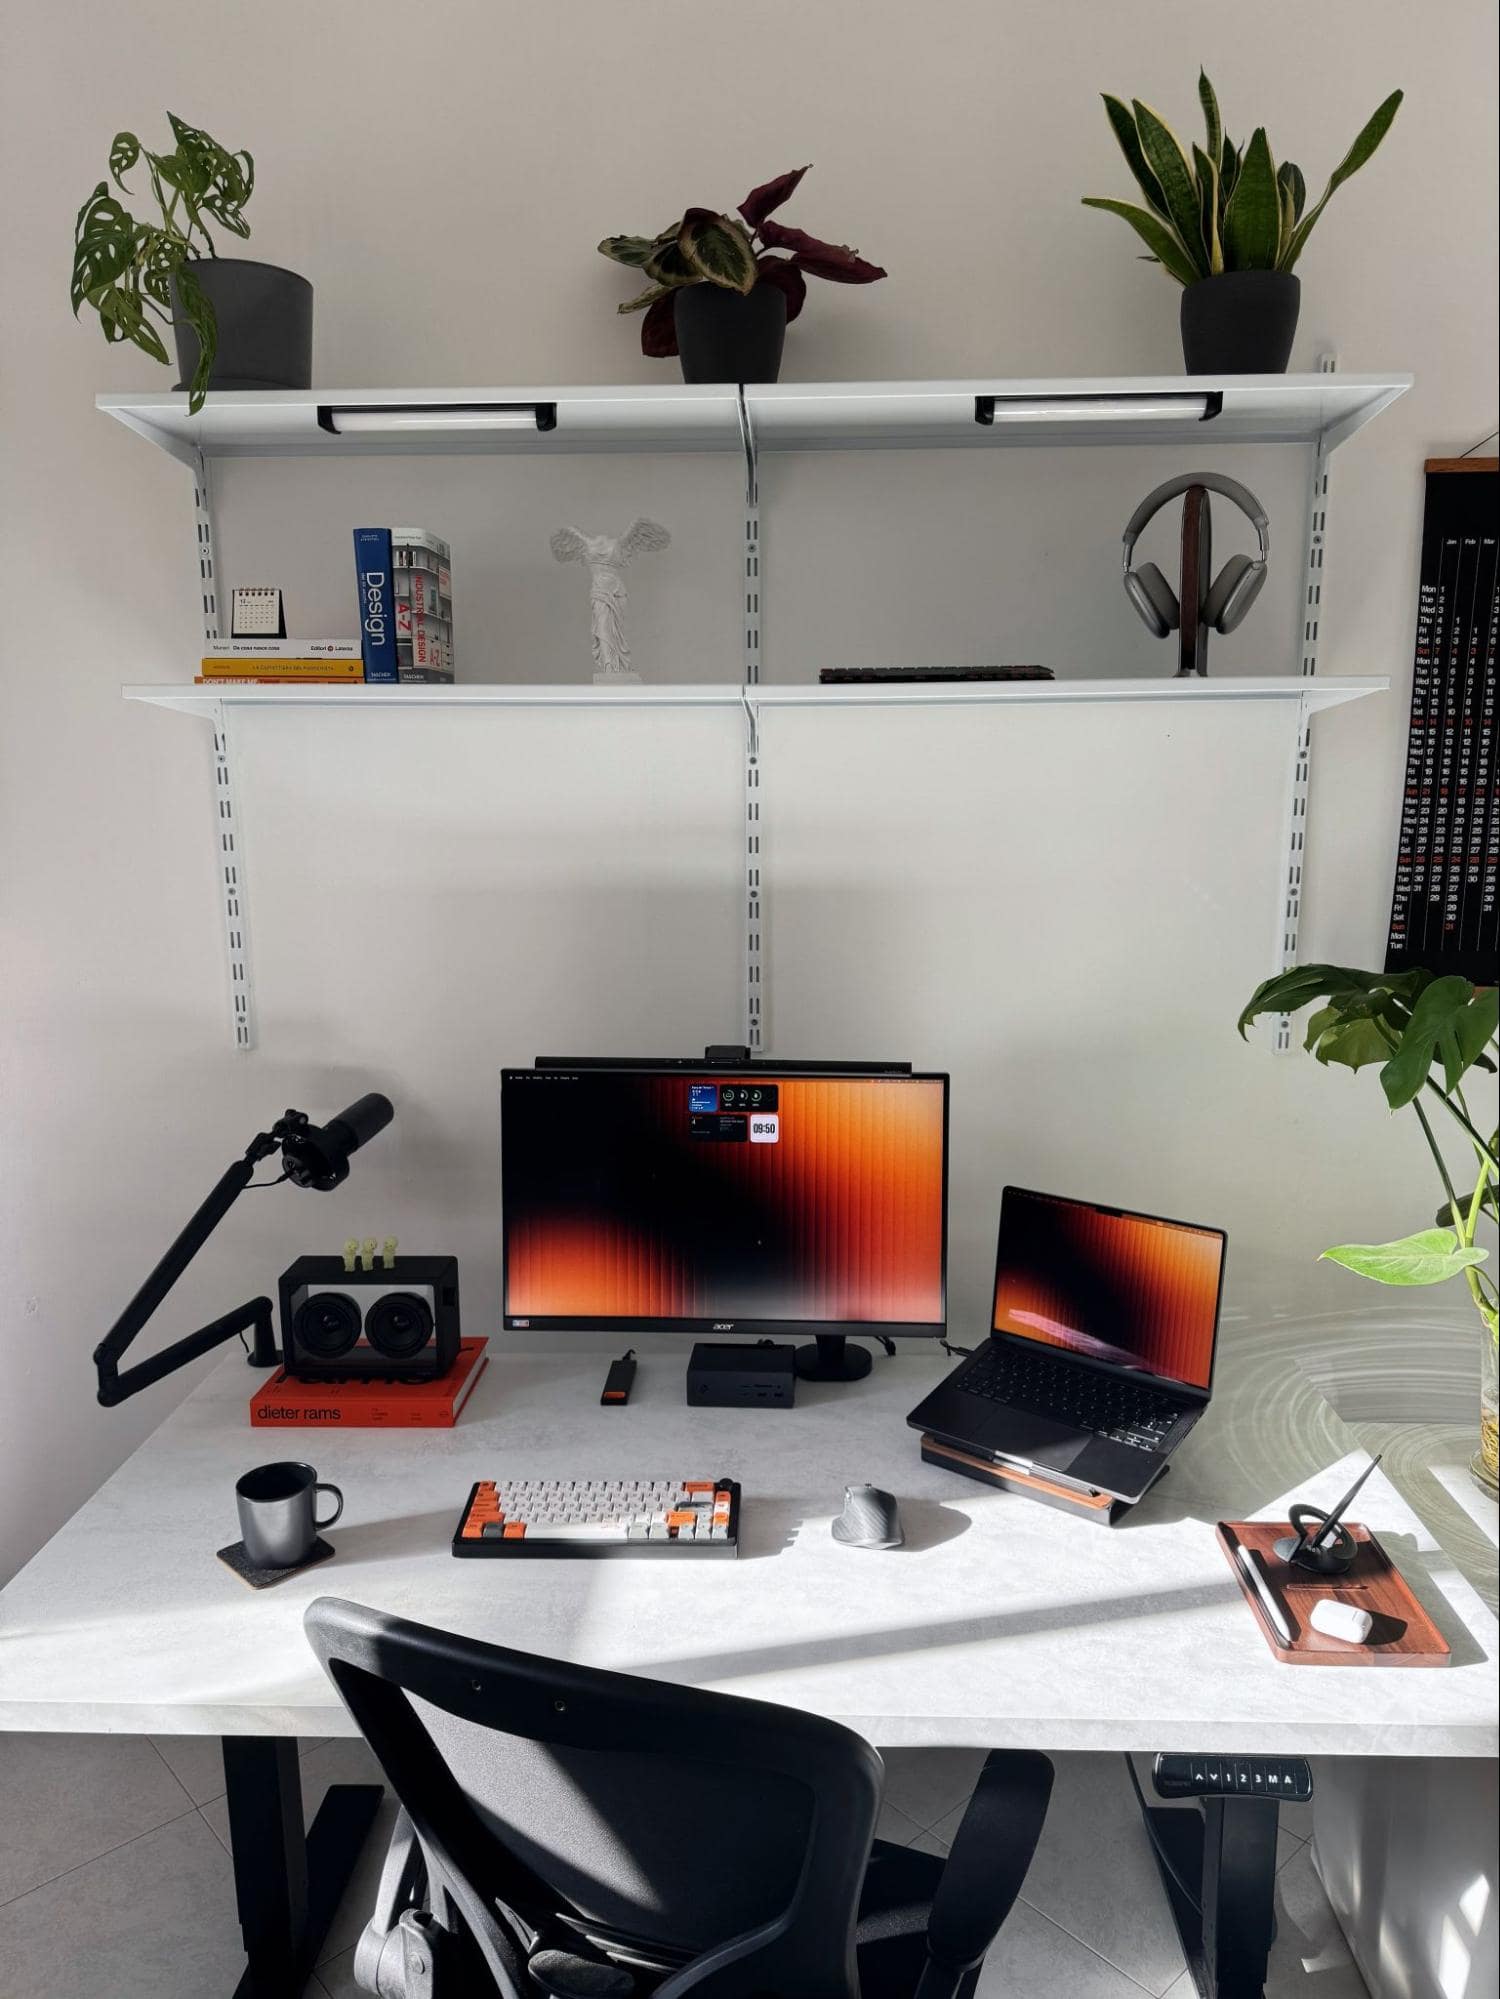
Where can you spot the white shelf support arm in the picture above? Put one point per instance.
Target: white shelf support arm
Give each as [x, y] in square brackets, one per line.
[754, 906]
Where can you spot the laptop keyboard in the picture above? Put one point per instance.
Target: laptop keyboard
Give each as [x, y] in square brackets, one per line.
[1126, 1412]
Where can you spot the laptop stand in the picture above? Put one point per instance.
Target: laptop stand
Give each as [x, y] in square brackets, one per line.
[1099, 1507]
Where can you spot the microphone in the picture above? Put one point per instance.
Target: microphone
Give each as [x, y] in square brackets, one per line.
[315, 1155]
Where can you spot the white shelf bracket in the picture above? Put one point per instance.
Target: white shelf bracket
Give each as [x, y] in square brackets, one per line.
[754, 908]
[229, 830]
[1295, 841]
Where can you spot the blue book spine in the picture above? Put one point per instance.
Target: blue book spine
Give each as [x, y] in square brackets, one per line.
[377, 603]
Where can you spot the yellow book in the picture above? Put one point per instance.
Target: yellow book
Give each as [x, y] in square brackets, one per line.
[282, 669]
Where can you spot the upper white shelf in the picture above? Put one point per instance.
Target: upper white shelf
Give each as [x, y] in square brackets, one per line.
[1329, 692]
[1199, 410]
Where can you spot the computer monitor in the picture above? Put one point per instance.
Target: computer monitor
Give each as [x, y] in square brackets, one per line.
[1121, 1289]
[762, 1202]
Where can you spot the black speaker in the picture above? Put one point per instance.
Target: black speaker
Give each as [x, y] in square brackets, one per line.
[396, 1321]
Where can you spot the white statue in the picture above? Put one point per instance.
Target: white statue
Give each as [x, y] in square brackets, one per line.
[606, 556]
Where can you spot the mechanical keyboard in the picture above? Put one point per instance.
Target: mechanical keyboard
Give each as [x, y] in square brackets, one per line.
[1124, 1411]
[600, 1516]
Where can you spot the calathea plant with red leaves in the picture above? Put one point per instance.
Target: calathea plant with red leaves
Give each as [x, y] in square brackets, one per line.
[736, 251]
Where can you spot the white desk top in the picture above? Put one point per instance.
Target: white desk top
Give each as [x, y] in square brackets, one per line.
[1002, 1622]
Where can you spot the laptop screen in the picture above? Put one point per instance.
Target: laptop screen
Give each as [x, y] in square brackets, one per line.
[1130, 1290]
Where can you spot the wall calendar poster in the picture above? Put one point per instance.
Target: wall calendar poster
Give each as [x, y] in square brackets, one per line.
[1444, 913]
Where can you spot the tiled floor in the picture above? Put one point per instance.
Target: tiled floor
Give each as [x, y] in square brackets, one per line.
[115, 1879]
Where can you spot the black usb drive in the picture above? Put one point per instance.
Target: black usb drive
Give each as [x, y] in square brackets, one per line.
[617, 1381]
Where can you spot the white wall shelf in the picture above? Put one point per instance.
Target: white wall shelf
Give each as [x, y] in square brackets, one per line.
[786, 416]
[1314, 695]
[1195, 414]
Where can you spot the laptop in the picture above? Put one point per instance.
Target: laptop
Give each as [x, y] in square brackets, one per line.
[1100, 1357]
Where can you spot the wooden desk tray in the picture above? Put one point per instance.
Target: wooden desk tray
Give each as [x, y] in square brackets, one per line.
[1402, 1633]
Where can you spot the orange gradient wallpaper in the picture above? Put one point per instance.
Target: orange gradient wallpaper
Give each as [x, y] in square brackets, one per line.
[651, 1196]
[1128, 1289]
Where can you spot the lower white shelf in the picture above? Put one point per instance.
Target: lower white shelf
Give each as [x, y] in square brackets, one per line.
[1317, 693]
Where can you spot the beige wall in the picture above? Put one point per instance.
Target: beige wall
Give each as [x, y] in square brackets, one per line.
[1064, 909]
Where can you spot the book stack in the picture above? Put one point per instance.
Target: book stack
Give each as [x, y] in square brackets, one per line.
[283, 662]
[405, 583]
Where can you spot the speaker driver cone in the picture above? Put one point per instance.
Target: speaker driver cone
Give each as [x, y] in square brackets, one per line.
[399, 1324]
[327, 1325]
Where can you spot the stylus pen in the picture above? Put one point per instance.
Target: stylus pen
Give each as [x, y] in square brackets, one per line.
[1327, 1534]
[1272, 1608]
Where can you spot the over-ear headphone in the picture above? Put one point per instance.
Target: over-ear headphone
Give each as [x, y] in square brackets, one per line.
[1225, 601]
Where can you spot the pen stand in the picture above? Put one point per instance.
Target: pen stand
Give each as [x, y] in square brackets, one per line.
[1301, 1550]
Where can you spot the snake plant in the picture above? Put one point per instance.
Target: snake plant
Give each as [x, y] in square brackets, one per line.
[1221, 207]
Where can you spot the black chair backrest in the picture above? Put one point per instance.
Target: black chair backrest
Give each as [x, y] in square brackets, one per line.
[721, 1840]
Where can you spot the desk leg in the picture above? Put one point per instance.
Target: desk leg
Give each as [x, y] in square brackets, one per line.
[1227, 1852]
[287, 1883]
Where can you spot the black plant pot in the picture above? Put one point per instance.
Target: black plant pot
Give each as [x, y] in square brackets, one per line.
[264, 317]
[1240, 323]
[725, 336]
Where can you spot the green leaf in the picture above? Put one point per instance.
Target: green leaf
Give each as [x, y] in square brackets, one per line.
[1229, 170]
[104, 243]
[1122, 124]
[667, 264]
[1154, 233]
[1168, 161]
[644, 299]
[1213, 124]
[1207, 176]
[1431, 1256]
[1369, 138]
[1252, 218]
[1289, 176]
[1290, 991]
[717, 249]
[1354, 1044]
[632, 250]
[123, 154]
[197, 310]
[1430, 1036]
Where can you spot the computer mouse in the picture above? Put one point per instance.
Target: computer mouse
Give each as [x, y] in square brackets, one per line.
[870, 1519]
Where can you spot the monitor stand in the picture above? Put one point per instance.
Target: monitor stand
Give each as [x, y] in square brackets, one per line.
[833, 1359]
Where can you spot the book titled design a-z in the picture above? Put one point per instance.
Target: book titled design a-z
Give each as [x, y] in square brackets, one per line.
[405, 583]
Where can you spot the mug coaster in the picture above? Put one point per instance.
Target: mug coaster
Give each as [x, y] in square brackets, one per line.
[234, 1557]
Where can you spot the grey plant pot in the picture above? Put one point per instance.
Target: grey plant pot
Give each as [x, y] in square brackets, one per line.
[1240, 323]
[264, 318]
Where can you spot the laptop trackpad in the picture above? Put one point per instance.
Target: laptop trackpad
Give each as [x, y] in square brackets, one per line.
[1018, 1433]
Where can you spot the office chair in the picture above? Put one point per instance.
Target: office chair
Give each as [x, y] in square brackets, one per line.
[565, 1833]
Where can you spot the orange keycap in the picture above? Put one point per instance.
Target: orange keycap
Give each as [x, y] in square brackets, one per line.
[698, 1485]
[515, 1530]
[686, 1518]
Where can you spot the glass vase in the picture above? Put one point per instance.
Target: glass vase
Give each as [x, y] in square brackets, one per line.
[1483, 1466]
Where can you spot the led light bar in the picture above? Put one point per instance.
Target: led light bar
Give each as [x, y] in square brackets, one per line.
[396, 419]
[1187, 408]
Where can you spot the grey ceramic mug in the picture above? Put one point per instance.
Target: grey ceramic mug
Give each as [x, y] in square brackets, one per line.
[278, 1516]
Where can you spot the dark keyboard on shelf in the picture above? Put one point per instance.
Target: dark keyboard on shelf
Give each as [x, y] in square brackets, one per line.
[848, 676]
[519, 1517]
[1126, 1412]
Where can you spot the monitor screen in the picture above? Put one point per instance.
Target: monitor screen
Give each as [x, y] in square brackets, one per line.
[1131, 1290]
[724, 1201]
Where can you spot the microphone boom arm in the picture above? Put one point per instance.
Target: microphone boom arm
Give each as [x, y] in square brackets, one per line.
[253, 1318]
[312, 1156]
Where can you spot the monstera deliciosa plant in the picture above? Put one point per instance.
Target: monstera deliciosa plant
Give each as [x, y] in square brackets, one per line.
[736, 252]
[1221, 207]
[134, 272]
[1427, 1034]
